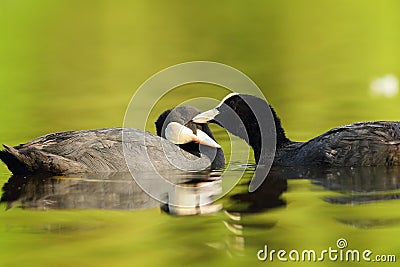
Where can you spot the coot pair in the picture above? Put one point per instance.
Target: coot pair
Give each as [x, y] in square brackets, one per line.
[358, 144]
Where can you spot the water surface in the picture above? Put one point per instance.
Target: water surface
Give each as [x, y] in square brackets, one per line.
[69, 65]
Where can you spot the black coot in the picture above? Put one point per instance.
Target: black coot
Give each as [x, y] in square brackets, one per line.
[102, 150]
[358, 144]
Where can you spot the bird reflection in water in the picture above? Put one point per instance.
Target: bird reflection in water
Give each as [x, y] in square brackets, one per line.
[197, 191]
[357, 185]
[113, 191]
[361, 186]
[97, 191]
[195, 196]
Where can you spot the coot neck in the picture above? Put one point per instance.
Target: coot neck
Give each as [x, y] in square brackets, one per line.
[281, 139]
[255, 139]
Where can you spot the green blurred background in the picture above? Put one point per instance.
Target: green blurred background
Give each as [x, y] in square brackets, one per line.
[71, 64]
[76, 64]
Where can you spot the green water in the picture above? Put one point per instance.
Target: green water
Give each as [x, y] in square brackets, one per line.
[75, 65]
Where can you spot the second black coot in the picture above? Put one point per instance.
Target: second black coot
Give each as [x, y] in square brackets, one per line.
[358, 144]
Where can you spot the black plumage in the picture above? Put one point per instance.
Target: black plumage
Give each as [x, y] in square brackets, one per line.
[358, 144]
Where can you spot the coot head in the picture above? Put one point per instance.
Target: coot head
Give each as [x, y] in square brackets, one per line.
[177, 126]
[236, 113]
